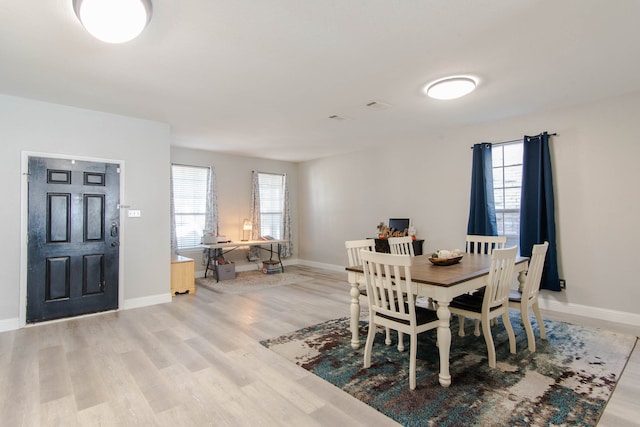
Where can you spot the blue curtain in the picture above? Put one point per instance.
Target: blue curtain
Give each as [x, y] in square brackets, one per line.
[537, 211]
[482, 211]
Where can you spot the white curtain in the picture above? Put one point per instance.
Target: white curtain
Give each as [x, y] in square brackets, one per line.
[254, 252]
[287, 248]
[211, 213]
[174, 236]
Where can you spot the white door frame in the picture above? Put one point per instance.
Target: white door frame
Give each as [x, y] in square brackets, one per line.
[24, 226]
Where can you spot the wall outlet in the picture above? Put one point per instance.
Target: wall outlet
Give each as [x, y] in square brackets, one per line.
[134, 213]
[563, 284]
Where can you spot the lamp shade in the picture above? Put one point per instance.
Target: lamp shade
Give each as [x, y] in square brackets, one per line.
[113, 21]
[246, 225]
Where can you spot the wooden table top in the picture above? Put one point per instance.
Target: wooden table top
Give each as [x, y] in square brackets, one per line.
[469, 267]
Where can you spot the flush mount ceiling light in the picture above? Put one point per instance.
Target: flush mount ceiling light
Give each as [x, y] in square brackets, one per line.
[450, 87]
[113, 21]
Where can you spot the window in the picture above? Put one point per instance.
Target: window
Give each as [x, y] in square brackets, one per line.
[190, 185]
[507, 184]
[271, 187]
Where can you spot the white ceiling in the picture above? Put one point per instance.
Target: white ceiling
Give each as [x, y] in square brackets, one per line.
[261, 78]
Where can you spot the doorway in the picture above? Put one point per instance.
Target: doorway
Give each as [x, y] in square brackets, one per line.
[73, 231]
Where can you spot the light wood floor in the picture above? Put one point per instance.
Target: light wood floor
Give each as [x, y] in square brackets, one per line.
[197, 362]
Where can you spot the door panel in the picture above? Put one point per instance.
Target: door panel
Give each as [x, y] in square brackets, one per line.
[57, 279]
[93, 274]
[73, 263]
[59, 218]
[93, 218]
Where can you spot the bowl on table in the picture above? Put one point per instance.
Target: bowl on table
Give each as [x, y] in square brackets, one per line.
[446, 257]
[446, 261]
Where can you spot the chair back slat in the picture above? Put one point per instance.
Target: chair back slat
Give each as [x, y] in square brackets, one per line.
[476, 244]
[500, 277]
[534, 272]
[353, 250]
[388, 282]
[401, 245]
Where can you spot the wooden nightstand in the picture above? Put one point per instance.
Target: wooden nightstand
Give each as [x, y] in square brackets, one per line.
[182, 275]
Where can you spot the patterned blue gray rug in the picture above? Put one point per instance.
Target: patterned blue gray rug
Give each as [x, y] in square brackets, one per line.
[567, 381]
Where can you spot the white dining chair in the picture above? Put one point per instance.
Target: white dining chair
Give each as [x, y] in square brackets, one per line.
[353, 255]
[477, 244]
[493, 303]
[401, 245]
[354, 247]
[392, 303]
[404, 246]
[529, 295]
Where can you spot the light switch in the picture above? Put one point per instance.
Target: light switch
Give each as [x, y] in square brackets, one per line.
[134, 213]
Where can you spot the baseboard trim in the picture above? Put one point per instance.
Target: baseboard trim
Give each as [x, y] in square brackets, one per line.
[9, 324]
[146, 301]
[331, 267]
[245, 267]
[250, 266]
[623, 317]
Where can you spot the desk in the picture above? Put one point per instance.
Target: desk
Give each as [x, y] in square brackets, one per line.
[442, 284]
[217, 250]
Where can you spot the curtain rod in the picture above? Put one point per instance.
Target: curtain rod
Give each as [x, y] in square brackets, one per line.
[516, 140]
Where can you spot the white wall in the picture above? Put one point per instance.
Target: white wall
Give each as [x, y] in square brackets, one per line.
[335, 199]
[233, 174]
[595, 158]
[39, 127]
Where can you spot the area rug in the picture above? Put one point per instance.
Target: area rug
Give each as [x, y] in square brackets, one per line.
[250, 281]
[567, 381]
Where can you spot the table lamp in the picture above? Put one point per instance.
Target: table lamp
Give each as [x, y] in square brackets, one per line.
[246, 227]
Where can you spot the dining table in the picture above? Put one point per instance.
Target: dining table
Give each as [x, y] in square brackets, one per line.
[441, 283]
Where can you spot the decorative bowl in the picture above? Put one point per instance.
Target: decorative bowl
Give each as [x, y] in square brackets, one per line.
[446, 261]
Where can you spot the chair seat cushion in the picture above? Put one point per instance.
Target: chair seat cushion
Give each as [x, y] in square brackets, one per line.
[468, 302]
[515, 296]
[423, 316]
[478, 292]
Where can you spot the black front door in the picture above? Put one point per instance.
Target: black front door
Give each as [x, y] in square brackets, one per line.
[73, 238]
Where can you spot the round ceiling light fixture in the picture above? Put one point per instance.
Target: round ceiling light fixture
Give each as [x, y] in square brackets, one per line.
[113, 21]
[451, 87]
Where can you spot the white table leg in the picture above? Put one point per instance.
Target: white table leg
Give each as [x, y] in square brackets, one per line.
[522, 277]
[355, 315]
[444, 342]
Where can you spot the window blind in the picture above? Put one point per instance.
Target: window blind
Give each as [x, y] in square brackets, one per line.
[190, 203]
[271, 187]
